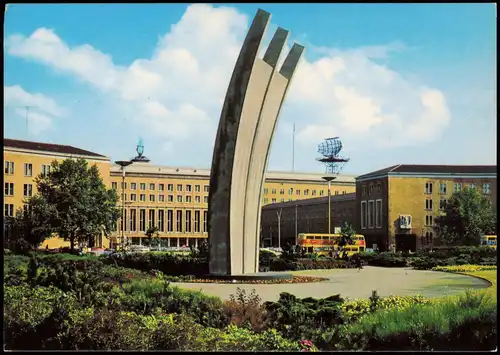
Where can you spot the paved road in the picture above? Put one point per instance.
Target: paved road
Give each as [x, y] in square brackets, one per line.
[353, 284]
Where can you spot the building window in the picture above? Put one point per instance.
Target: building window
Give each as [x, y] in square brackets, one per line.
[297, 192]
[282, 191]
[188, 199]
[206, 188]
[142, 197]
[344, 192]
[45, 169]
[442, 204]
[364, 215]
[188, 188]
[273, 200]
[9, 189]
[161, 198]
[290, 191]
[266, 191]
[379, 187]
[170, 187]
[306, 192]
[152, 187]
[142, 220]
[282, 200]
[9, 167]
[170, 198]
[151, 219]
[28, 169]
[273, 191]
[487, 188]
[142, 186]
[197, 188]
[472, 186]
[205, 221]
[370, 213]
[161, 220]
[133, 186]
[428, 220]
[179, 187]
[363, 190]
[314, 192]
[170, 220]
[197, 199]
[28, 190]
[336, 192]
[428, 204]
[378, 213]
[457, 187]
[205, 199]
[114, 185]
[197, 221]
[133, 197]
[9, 210]
[179, 221]
[428, 187]
[266, 200]
[321, 192]
[123, 185]
[370, 189]
[179, 198]
[151, 198]
[442, 187]
[133, 220]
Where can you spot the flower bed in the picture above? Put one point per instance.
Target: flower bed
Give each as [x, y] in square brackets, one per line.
[464, 268]
[296, 279]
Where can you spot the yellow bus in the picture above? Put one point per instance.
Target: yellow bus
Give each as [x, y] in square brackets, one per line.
[323, 244]
[489, 240]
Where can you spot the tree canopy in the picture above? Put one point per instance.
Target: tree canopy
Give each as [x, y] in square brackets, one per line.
[83, 206]
[467, 215]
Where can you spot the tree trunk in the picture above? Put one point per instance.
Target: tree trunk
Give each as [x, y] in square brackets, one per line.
[72, 243]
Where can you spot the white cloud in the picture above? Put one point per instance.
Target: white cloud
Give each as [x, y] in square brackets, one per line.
[178, 92]
[41, 109]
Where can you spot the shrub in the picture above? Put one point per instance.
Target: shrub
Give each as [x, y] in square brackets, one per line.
[385, 259]
[464, 323]
[309, 264]
[246, 310]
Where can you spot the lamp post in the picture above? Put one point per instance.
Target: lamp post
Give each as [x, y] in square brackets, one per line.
[329, 180]
[123, 164]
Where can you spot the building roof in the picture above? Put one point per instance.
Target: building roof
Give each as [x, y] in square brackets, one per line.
[311, 201]
[145, 168]
[432, 170]
[48, 147]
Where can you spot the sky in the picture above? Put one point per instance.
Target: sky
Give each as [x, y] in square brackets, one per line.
[398, 83]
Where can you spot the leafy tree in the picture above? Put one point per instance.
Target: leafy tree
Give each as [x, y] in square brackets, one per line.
[347, 233]
[31, 226]
[84, 207]
[152, 235]
[467, 216]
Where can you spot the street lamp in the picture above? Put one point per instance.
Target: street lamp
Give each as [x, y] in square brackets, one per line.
[329, 179]
[123, 164]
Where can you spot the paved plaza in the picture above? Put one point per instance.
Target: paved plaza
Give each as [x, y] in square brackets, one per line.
[355, 284]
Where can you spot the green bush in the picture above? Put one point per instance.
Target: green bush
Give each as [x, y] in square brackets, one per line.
[466, 323]
[309, 264]
[385, 259]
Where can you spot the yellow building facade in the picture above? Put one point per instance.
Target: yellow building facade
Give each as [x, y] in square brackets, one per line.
[398, 205]
[24, 161]
[175, 200]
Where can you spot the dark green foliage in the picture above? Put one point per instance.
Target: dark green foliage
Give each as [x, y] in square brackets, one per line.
[467, 216]
[304, 318]
[83, 206]
[32, 270]
[309, 264]
[386, 259]
[201, 252]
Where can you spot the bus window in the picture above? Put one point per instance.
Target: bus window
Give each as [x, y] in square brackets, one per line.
[310, 249]
[326, 238]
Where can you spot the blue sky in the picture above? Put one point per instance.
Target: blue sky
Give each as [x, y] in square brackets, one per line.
[399, 83]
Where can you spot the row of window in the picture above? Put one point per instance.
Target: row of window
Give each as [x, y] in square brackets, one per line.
[27, 189]
[307, 192]
[371, 213]
[429, 206]
[185, 221]
[369, 188]
[28, 169]
[161, 187]
[457, 187]
[170, 198]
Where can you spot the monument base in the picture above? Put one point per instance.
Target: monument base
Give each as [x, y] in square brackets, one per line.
[251, 277]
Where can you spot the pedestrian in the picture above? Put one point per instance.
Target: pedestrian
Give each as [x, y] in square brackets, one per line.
[358, 262]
